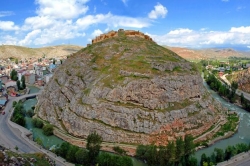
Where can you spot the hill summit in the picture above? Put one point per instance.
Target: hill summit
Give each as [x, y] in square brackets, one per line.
[128, 89]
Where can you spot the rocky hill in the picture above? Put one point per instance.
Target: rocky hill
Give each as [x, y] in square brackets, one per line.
[242, 78]
[129, 90]
[7, 51]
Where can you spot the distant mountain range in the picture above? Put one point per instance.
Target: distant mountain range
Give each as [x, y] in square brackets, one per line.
[208, 53]
[7, 51]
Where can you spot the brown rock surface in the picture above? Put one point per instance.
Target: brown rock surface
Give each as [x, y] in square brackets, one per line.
[243, 79]
[129, 90]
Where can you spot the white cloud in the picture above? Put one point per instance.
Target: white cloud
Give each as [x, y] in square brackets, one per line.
[125, 2]
[96, 32]
[30, 37]
[62, 9]
[6, 13]
[112, 20]
[8, 26]
[38, 22]
[202, 38]
[8, 40]
[180, 31]
[241, 29]
[159, 11]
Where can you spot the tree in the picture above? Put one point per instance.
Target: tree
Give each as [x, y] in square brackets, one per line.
[179, 150]
[14, 103]
[48, 129]
[242, 99]
[13, 75]
[203, 159]
[15, 78]
[19, 119]
[71, 154]
[192, 161]
[119, 150]
[105, 159]
[30, 113]
[82, 156]
[151, 155]
[140, 151]
[23, 82]
[213, 158]
[219, 157]
[229, 152]
[37, 123]
[162, 153]
[171, 153]
[16, 61]
[189, 147]
[234, 85]
[63, 149]
[54, 61]
[93, 145]
[18, 84]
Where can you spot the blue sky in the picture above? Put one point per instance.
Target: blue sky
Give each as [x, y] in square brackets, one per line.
[183, 23]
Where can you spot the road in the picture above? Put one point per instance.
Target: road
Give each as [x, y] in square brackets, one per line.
[13, 135]
[9, 136]
[238, 91]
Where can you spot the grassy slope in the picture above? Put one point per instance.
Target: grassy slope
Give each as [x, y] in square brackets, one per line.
[129, 54]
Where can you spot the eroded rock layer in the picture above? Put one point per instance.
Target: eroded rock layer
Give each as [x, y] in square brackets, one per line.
[129, 90]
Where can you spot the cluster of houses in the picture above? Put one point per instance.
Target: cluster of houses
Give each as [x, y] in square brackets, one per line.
[36, 72]
[226, 67]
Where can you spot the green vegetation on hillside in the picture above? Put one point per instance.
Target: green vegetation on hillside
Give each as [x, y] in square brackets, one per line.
[179, 152]
[219, 155]
[133, 55]
[91, 155]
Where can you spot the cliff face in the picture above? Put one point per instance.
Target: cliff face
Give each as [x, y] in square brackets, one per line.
[128, 89]
[243, 79]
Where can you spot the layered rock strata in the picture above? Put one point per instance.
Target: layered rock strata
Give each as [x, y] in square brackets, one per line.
[129, 90]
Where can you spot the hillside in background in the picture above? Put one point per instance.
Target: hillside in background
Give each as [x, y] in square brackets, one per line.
[212, 53]
[19, 52]
[7, 51]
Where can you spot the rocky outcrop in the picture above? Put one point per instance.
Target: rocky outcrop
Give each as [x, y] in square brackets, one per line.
[243, 79]
[129, 33]
[128, 93]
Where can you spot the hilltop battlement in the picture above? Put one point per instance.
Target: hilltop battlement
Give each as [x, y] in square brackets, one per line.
[129, 33]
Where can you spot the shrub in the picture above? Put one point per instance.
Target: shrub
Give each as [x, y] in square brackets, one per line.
[119, 150]
[48, 130]
[30, 113]
[37, 123]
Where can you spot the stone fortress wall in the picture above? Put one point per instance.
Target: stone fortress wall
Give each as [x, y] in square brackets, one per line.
[129, 33]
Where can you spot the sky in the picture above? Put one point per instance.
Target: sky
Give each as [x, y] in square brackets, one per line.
[178, 23]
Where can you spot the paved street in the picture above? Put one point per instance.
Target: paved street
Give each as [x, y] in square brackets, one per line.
[238, 92]
[12, 135]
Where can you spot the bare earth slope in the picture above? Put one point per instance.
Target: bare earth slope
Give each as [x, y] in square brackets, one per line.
[7, 51]
[128, 90]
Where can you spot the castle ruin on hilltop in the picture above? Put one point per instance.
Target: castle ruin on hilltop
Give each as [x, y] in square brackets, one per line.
[129, 33]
